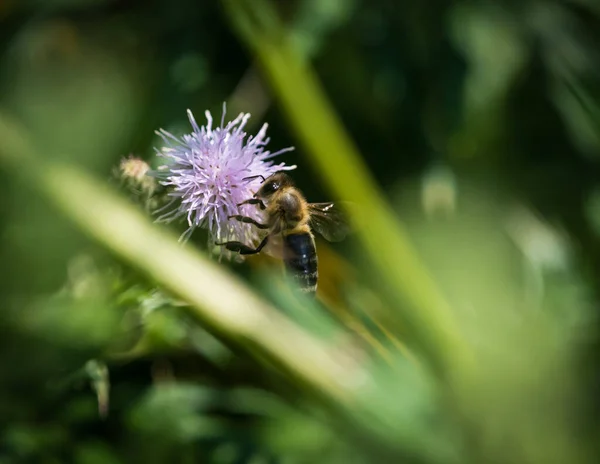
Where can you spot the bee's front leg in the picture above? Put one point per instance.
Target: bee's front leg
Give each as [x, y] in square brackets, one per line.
[248, 220]
[253, 201]
[239, 247]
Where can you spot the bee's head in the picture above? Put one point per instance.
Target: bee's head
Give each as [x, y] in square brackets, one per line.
[272, 185]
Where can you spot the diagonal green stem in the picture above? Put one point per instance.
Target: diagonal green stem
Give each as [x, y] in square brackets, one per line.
[217, 299]
[428, 316]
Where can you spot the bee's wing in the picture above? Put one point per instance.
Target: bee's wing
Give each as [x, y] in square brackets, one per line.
[329, 220]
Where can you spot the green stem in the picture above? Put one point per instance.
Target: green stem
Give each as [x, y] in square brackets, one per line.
[405, 279]
[217, 299]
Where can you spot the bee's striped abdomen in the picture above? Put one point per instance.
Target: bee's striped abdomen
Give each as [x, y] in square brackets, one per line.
[300, 257]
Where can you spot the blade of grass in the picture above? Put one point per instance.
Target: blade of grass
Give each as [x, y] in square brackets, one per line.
[218, 300]
[404, 278]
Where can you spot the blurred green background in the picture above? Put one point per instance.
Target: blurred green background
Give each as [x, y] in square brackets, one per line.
[479, 123]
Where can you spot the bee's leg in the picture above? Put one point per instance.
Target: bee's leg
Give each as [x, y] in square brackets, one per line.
[262, 178]
[253, 201]
[248, 220]
[242, 249]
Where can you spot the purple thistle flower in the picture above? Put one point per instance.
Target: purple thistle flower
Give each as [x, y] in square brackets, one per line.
[208, 173]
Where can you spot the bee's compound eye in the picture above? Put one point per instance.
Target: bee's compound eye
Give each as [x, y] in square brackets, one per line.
[270, 188]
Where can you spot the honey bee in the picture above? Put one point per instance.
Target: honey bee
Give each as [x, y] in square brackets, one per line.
[290, 220]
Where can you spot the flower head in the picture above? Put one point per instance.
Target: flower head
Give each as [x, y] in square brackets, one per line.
[133, 174]
[133, 171]
[210, 171]
[134, 168]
